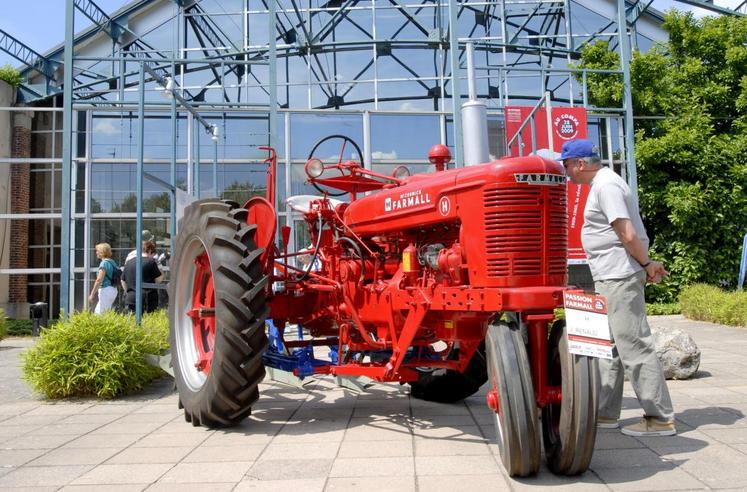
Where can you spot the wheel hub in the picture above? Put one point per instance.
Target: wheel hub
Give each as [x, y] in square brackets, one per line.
[202, 313]
[493, 401]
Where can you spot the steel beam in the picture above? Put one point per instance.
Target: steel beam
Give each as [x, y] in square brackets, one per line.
[100, 19]
[709, 5]
[456, 95]
[139, 197]
[625, 57]
[26, 55]
[634, 12]
[67, 155]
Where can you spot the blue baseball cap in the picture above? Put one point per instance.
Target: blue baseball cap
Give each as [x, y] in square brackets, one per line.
[578, 148]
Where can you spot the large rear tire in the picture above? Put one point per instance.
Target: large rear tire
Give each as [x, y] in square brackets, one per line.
[217, 312]
[448, 386]
[569, 429]
[510, 380]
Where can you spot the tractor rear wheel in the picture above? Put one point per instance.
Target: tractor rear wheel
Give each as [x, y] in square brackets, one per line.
[217, 312]
[448, 386]
[511, 396]
[569, 428]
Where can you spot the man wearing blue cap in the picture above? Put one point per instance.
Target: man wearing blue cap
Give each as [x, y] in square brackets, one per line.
[616, 245]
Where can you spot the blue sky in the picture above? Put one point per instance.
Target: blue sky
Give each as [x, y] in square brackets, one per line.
[42, 26]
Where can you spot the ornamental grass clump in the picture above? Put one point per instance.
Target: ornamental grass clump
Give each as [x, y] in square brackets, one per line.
[156, 327]
[709, 303]
[90, 355]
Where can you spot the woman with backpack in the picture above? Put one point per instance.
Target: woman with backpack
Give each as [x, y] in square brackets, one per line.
[107, 279]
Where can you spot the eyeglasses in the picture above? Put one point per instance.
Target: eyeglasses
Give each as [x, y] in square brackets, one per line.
[567, 162]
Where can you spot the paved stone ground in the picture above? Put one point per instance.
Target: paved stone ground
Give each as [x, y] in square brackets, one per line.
[324, 438]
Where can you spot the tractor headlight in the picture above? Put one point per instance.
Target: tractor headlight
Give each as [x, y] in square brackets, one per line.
[314, 168]
[401, 172]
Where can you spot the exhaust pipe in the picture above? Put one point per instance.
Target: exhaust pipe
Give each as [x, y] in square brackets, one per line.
[474, 120]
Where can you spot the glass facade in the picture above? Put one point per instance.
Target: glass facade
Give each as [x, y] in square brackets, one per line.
[377, 73]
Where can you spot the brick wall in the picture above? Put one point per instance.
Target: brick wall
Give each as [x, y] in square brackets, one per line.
[20, 178]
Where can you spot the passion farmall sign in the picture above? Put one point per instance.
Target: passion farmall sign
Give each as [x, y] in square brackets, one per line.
[566, 124]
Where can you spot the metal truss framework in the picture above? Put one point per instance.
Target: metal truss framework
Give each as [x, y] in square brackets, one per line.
[363, 55]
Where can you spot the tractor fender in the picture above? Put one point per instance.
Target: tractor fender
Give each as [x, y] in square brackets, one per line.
[262, 214]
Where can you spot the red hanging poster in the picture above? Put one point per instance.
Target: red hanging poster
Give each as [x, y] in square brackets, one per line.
[566, 124]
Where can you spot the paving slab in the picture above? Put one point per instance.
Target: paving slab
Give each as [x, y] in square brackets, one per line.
[74, 456]
[10, 458]
[372, 484]
[123, 474]
[290, 469]
[375, 449]
[307, 485]
[214, 454]
[134, 455]
[318, 437]
[482, 482]
[109, 488]
[191, 487]
[373, 467]
[41, 476]
[226, 471]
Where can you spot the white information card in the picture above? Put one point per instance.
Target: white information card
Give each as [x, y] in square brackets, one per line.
[586, 324]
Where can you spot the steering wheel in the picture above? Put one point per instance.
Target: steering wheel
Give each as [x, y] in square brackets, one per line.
[345, 139]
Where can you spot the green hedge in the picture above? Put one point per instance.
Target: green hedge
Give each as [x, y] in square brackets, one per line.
[90, 355]
[3, 325]
[19, 327]
[663, 308]
[709, 303]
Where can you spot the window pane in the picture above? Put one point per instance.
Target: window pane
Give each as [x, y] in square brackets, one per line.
[403, 137]
[308, 129]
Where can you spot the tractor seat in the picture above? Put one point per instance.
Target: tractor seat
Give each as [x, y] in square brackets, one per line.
[302, 203]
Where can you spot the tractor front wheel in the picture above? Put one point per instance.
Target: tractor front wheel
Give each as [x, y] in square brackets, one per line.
[217, 312]
[511, 397]
[569, 428]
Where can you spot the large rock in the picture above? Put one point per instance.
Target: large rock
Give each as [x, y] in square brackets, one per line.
[679, 356]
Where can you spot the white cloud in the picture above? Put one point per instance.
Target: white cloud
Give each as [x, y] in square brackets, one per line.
[106, 127]
[407, 106]
[379, 155]
[349, 155]
[697, 12]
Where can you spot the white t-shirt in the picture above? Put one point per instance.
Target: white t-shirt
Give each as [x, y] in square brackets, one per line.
[610, 199]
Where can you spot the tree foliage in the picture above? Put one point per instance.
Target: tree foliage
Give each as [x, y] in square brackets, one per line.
[692, 164]
[11, 76]
[241, 192]
[160, 202]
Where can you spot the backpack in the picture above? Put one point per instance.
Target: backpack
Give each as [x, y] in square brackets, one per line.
[116, 277]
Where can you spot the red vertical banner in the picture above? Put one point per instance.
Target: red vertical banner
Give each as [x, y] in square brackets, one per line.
[577, 195]
[566, 124]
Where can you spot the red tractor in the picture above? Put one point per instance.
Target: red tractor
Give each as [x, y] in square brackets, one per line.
[444, 281]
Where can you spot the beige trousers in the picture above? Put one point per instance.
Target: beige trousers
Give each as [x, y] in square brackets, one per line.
[635, 354]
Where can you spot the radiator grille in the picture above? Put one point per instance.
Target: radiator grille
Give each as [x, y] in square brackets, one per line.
[557, 228]
[525, 230]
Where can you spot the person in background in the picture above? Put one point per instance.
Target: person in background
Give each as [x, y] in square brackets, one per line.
[151, 274]
[616, 245]
[103, 286]
[145, 236]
